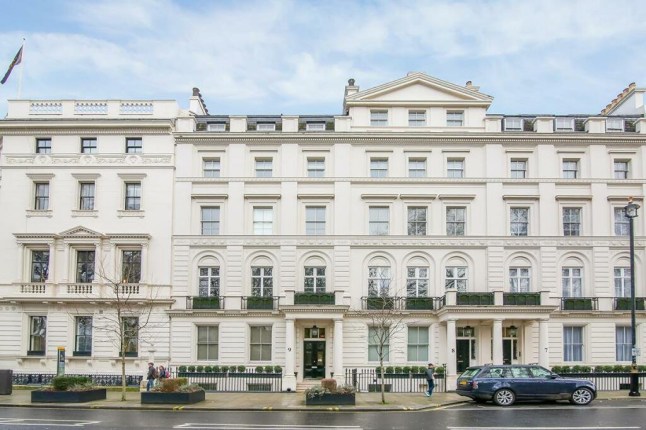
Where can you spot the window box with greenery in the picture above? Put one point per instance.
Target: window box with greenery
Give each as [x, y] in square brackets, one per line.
[260, 302]
[624, 303]
[474, 299]
[578, 303]
[420, 303]
[314, 298]
[210, 302]
[521, 299]
[69, 389]
[329, 394]
[174, 391]
[380, 303]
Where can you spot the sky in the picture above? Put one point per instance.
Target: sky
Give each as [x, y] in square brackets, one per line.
[295, 56]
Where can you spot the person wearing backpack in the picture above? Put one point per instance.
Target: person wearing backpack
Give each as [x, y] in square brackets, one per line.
[163, 373]
[151, 376]
[430, 379]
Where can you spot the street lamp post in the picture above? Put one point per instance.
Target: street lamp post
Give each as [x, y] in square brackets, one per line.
[631, 213]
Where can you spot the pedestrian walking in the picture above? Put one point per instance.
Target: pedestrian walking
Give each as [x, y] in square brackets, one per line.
[163, 373]
[151, 376]
[430, 372]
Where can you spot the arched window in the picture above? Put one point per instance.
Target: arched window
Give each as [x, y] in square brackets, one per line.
[456, 274]
[208, 275]
[572, 278]
[379, 277]
[262, 277]
[314, 279]
[417, 278]
[520, 275]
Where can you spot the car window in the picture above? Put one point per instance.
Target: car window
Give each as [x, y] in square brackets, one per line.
[469, 373]
[540, 372]
[520, 372]
[494, 372]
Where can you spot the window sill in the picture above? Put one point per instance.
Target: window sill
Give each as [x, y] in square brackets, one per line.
[131, 213]
[36, 213]
[81, 354]
[35, 353]
[81, 213]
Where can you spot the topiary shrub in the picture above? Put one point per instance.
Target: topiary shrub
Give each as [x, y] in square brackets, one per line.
[438, 370]
[63, 383]
[232, 369]
[269, 369]
[557, 369]
[278, 369]
[217, 369]
[182, 368]
[199, 369]
[617, 368]
[390, 369]
[329, 384]
[398, 369]
[208, 369]
[191, 368]
[225, 369]
[242, 368]
[641, 368]
[586, 369]
[406, 369]
[259, 369]
[576, 369]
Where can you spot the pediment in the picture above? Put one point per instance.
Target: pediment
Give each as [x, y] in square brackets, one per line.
[80, 231]
[419, 88]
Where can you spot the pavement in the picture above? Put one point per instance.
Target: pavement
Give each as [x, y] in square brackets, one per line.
[365, 402]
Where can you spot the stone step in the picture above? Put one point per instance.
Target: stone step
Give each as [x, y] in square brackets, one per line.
[304, 385]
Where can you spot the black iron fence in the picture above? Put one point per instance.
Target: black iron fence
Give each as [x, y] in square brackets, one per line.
[401, 303]
[234, 381]
[369, 380]
[579, 303]
[105, 380]
[609, 381]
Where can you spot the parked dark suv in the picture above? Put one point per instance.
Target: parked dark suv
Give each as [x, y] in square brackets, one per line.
[507, 383]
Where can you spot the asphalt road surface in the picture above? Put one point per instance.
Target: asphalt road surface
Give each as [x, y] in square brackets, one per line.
[601, 415]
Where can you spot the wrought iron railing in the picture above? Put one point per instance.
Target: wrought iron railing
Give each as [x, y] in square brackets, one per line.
[102, 379]
[402, 303]
[234, 381]
[369, 380]
[609, 381]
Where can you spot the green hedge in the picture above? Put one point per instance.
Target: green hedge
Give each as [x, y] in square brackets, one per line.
[63, 383]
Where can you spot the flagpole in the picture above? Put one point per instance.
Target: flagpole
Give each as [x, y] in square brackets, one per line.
[22, 68]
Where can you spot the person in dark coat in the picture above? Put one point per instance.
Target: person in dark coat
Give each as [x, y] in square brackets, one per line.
[430, 379]
[151, 376]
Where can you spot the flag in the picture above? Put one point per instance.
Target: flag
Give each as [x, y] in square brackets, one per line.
[16, 60]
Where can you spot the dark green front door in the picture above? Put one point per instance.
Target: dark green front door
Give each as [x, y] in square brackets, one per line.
[314, 359]
[509, 350]
[463, 354]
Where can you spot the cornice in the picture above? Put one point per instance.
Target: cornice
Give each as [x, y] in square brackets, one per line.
[412, 138]
[139, 129]
[421, 242]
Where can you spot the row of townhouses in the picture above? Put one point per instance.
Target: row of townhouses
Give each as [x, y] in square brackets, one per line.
[274, 240]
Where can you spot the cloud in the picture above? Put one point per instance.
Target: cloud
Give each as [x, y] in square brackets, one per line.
[296, 56]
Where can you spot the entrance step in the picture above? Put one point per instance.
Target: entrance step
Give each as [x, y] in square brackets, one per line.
[307, 384]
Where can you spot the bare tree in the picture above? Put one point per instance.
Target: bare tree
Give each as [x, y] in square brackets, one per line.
[386, 318]
[125, 315]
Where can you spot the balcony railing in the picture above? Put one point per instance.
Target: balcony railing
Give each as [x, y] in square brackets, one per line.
[474, 299]
[378, 303]
[260, 303]
[623, 304]
[79, 289]
[579, 303]
[198, 302]
[521, 299]
[420, 303]
[33, 288]
[314, 298]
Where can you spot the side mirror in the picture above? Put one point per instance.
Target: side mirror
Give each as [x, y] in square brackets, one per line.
[553, 376]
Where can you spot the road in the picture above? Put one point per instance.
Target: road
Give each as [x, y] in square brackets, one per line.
[601, 415]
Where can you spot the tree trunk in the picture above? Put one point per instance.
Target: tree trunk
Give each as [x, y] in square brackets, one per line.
[383, 385]
[123, 375]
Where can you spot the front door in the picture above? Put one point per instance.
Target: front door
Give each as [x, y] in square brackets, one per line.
[463, 354]
[509, 351]
[314, 359]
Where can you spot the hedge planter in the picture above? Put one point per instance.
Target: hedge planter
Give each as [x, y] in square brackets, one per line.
[39, 396]
[331, 400]
[152, 397]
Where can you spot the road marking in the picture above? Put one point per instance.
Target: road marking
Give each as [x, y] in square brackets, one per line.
[542, 428]
[45, 422]
[261, 427]
[529, 408]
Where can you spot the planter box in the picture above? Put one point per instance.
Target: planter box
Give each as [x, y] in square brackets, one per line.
[331, 399]
[68, 396]
[376, 388]
[152, 397]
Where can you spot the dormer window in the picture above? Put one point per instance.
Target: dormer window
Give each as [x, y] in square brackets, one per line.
[315, 126]
[513, 124]
[614, 125]
[379, 118]
[455, 118]
[564, 124]
[266, 126]
[216, 126]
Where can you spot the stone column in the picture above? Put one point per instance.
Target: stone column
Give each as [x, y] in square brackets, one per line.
[289, 379]
[434, 355]
[496, 336]
[543, 339]
[338, 351]
[450, 346]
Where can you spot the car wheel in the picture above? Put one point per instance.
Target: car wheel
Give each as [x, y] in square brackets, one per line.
[504, 397]
[581, 396]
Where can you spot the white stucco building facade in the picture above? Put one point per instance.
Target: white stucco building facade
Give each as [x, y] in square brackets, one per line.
[495, 238]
